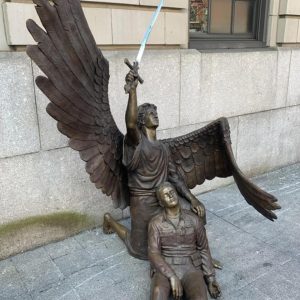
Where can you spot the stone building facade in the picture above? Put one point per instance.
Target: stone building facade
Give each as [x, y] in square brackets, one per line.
[45, 193]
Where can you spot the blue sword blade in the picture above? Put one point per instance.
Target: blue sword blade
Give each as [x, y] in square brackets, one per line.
[148, 32]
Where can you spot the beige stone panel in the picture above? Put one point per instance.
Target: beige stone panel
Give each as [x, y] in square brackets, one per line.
[287, 30]
[283, 7]
[176, 28]
[19, 131]
[3, 43]
[283, 74]
[298, 35]
[231, 84]
[294, 87]
[289, 7]
[268, 140]
[168, 3]
[129, 27]
[99, 20]
[50, 137]
[15, 15]
[49, 182]
[274, 7]
[272, 31]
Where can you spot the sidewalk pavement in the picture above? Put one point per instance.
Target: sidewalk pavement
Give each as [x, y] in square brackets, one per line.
[261, 258]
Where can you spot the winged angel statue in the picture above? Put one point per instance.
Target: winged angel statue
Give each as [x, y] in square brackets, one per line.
[128, 168]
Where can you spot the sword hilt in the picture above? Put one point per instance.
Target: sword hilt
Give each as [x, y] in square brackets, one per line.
[135, 68]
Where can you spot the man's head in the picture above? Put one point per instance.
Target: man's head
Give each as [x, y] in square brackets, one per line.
[167, 195]
[147, 116]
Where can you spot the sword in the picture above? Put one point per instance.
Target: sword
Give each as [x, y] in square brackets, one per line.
[135, 65]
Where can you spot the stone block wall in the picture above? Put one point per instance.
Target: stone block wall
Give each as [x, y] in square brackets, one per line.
[111, 22]
[40, 176]
[284, 23]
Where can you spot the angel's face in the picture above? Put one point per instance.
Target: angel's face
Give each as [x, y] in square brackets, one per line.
[168, 197]
[151, 119]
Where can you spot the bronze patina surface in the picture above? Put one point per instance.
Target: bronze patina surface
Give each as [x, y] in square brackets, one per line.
[76, 83]
[178, 252]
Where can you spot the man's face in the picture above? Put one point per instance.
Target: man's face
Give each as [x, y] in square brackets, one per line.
[168, 197]
[151, 119]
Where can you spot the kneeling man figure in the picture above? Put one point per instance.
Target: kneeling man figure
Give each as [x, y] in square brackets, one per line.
[178, 252]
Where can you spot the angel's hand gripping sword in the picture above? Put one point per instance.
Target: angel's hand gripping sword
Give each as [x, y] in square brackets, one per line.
[138, 59]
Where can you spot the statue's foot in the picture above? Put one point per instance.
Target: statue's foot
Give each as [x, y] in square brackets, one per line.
[106, 224]
[217, 264]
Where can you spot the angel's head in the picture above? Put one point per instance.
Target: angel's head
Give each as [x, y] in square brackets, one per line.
[147, 116]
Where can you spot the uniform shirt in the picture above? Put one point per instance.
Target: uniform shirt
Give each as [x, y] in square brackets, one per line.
[169, 244]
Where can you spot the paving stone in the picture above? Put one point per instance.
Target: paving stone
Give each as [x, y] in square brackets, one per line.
[74, 262]
[92, 238]
[11, 285]
[277, 287]
[72, 295]
[33, 257]
[53, 292]
[38, 277]
[112, 284]
[62, 248]
[248, 294]
[224, 201]
[20, 297]
[106, 249]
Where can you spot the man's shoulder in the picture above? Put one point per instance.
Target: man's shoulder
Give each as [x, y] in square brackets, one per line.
[191, 216]
[157, 219]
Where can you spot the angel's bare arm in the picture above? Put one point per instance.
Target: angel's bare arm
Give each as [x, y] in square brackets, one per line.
[131, 111]
[175, 178]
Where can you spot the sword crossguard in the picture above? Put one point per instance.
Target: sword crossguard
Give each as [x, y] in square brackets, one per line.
[135, 68]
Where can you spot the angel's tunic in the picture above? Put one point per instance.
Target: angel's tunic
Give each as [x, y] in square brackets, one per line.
[147, 167]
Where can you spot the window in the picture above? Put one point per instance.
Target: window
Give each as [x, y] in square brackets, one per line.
[227, 23]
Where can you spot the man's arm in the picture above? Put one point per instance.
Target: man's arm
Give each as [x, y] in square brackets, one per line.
[131, 111]
[154, 252]
[175, 178]
[203, 248]
[157, 260]
[207, 265]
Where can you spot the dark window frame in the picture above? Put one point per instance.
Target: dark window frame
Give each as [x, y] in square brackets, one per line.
[229, 41]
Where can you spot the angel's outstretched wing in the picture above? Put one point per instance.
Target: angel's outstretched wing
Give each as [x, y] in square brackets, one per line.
[206, 153]
[77, 86]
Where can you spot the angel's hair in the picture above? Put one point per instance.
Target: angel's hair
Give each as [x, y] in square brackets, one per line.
[142, 110]
[159, 189]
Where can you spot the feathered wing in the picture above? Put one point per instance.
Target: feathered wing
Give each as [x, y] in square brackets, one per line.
[206, 153]
[77, 86]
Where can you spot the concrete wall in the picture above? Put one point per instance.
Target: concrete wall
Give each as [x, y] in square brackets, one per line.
[257, 90]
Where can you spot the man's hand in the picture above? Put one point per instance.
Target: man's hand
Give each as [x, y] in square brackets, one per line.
[176, 287]
[214, 289]
[197, 207]
[131, 80]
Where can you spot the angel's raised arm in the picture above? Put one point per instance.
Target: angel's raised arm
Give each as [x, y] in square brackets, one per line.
[132, 110]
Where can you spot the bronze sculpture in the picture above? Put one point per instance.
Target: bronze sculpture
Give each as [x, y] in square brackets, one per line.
[77, 86]
[178, 252]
